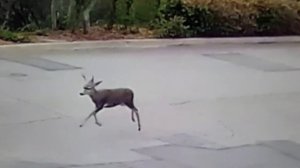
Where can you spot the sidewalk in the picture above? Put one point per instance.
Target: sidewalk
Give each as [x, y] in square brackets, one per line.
[153, 43]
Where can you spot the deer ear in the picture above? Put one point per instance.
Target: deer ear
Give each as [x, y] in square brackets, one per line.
[83, 76]
[92, 80]
[97, 83]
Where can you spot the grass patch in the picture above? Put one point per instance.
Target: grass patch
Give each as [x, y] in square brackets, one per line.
[14, 37]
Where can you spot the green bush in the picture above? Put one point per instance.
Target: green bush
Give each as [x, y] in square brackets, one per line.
[122, 15]
[171, 20]
[278, 18]
[210, 18]
[201, 22]
[143, 11]
[268, 22]
[189, 21]
[174, 28]
[14, 37]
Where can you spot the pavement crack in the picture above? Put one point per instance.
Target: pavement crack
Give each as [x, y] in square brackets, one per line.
[41, 120]
[121, 164]
[232, 133]
[34, 121]
[180, 103]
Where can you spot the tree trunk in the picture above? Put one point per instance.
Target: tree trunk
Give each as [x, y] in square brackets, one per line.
[86, 22]
[128, 6]
[113, 14]
[3, 26]
[158, 4]
[71, 15]
[7, 8]
[53, 15]
[86, 16]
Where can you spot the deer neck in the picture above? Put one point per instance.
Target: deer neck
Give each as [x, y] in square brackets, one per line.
[94, 96]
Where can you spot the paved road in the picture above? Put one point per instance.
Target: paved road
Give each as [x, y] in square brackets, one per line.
[205, 106]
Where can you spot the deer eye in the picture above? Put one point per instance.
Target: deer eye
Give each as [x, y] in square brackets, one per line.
[87, 88]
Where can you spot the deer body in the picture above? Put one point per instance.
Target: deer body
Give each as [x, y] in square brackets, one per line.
[107, 98]
[112, 97]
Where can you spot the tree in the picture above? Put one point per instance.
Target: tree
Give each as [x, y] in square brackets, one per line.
[86, 15]
[53, 15]
[112, 19]
[5, 9]
[128, 6]
[79, 11]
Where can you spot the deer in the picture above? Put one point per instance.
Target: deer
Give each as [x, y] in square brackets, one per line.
[108, 98]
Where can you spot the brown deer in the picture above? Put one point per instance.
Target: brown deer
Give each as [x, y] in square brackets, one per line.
[107, 98]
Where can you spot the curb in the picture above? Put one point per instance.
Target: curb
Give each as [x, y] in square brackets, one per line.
[152, 43]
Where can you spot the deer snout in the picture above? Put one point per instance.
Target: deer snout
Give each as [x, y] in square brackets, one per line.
[81, 94]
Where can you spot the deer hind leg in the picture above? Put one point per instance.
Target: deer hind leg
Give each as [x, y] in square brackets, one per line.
[132, 116]
[131, 106]
[134, 110]
[138, 118]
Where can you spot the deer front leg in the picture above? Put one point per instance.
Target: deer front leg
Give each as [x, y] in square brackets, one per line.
[96, 120]
[89, 116]
[86, 119]
[99, 107]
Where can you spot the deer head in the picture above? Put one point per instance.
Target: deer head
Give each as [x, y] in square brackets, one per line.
[90, 87]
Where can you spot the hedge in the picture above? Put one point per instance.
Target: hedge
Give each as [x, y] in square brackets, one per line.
[222, 18]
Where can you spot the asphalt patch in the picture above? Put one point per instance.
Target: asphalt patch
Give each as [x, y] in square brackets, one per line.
[41, 63]
[251, 62]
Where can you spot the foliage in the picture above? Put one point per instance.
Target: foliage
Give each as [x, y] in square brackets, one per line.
[173, 27]
[123, 12]
[190, 20]
[11, 36]
[144, 11]
[169, 18]
[231, 17]
[278, 18]
[17, 14]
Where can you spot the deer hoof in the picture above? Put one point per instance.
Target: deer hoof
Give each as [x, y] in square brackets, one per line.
[99, 124]
[80, 125]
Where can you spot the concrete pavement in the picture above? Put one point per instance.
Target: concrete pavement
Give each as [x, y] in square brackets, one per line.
[221, 105]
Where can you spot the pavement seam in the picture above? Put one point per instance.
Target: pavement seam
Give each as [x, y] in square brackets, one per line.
[291, 156]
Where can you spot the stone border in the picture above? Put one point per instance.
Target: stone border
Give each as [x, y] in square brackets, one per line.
[153, 43]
